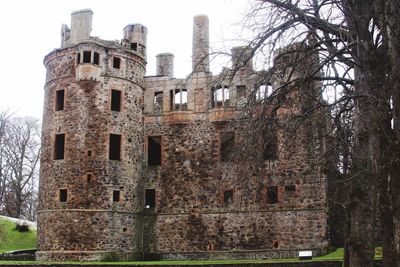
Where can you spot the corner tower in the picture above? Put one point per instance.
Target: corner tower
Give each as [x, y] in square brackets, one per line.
[92, 145]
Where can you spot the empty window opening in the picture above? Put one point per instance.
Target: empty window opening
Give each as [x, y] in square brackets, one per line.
[59, 146]
[290, 188]
[179, 99]
[59, 100]
[154, 151]
[134, 46]
[241, 91]
[116, 196]
[115, 100]
[272, 194]
[263, 91]
[276, 244]
[89, 177]
[124, 229]
[115, 147]
[150, 198]
[78, 58]
[220, 96]
[89, 153]
[228, 197]
[63, 194]
[116, 62]
[158, 102]
[270, 147]
[86, 56]
[96, 58]
[227, 146]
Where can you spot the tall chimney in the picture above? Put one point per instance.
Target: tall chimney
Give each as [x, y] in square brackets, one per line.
[200, 49]
[81, 26]
[165, 65]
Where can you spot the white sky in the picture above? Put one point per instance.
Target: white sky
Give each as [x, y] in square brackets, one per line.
[31, 29]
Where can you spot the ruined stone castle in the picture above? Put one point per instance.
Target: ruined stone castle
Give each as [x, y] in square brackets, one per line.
[144, 167]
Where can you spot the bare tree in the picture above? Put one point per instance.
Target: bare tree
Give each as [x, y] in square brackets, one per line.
[20, 149]
[358, 47]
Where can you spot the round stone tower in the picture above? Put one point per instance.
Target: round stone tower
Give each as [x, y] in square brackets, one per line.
[92, 146]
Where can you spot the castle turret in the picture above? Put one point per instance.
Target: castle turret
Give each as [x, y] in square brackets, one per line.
[200, 48]
[136, 34]
[91, 148]
[165, 65]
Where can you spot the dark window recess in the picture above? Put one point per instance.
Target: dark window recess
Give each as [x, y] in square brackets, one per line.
[59, 100]
[59, 145]
[89, 153]
[63, 195]
[150, 198]
[78, 58]
[96, 58]
[228, 197]
[272, 194]
[116, 62]
[116, 196]
[86, 56]
[134, 46]
[115, 147]
[270, 147]
[115, 100]
[89, 177]
[227, 146]
[154, 151]
[241, 91]
[171, 100]
[290, 188]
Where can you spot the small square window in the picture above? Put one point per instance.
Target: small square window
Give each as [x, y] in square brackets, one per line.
[290, 188]
[63, 195]
[241, 91]
[150, 198]
[116, 62]
[228, 197]
[116, 196]
[272, 194]
[134, 46]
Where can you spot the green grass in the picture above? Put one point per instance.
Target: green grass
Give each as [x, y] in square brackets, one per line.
[12, 239]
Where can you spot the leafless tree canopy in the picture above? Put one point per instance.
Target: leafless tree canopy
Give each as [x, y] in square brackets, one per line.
[358, 48]
[19, 161]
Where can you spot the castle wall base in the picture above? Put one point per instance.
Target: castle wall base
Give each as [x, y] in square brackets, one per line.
[231, 255]
[87, 256]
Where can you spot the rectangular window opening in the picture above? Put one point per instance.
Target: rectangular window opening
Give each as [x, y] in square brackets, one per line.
[290, 188]
[116, 196]
[228, 197]
[63, 194]
[134, 46]
[150, 198]
[96, 58]
[86, 56]
[78, 58]
[59, 146]
[227, 146]
[115, 147]
[241, 91]
[59, 100]
[270, 149]
[116, 62]
[272, 194]
[154, 151]
[115, 100]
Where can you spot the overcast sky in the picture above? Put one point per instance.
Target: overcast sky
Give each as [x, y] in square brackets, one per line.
[31, 29]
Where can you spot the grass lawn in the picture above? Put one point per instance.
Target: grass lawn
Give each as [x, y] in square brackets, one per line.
[12, 239]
